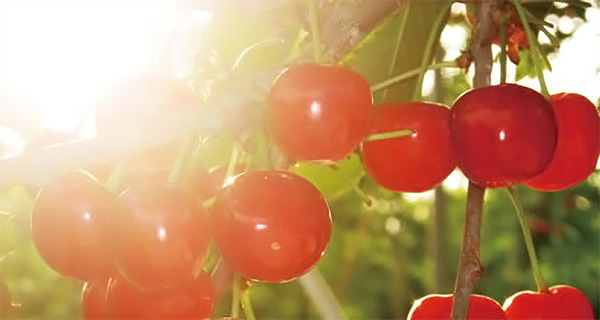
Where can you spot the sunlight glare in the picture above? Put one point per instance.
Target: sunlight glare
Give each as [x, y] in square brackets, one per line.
[63, 51]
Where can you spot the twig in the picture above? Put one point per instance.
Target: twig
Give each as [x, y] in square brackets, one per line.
[469, 268]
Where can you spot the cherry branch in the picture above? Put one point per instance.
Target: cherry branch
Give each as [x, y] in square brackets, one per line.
[469, 268]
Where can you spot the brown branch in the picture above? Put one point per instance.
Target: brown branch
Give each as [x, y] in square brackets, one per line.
[469, 268]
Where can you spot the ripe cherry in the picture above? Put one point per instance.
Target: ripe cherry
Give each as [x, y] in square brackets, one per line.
[158, 235]
[502, 135]
[194, 301]
[138, 98]
[412, 163]
[558, 302]
[93, 299]
[439, 307]
[271, 226]
[69, 226]
[319, 112]
[577, 146]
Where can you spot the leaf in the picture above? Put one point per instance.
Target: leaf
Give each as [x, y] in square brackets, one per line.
[375, 54]
[332, 182]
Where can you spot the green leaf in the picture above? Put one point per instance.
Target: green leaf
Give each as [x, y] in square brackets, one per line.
[374, 56]
[333, 182]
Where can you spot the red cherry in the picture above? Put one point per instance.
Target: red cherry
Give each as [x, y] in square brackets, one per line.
[502, 135]
[577, 146]
[142, 97]
[439, 307]
[271, 226]
[319, 112]
[69, 226]
[413, 163]
[558, 302]
[158, 235]
[195, 301]
[93, 300]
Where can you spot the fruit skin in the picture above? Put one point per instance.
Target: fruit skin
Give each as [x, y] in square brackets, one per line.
[439, 307]
[195, 301]
[319, 112]
[558, 302]
[93, 300]
[158, 235]
[271, 226]
[69, 225]
[577, 147]
[502, 135]
[412, 163]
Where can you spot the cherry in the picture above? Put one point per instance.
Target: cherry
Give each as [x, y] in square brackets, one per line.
[439, 307]
[319, 112]
[558, 302]
[142, 97]
[502, 135]
[577, 146]
[271, 226]
[416, 162]
[93, 300]
[69, 226]
[158, 235]
[195, 301]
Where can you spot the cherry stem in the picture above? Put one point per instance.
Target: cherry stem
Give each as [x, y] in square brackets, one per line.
[533, 45]
[388, 135]
[503, 42]
[428, 54]
[411, 73]
[535, 267]
[314, 30]
[178, 163]
[235, 297]
[469, 265]
[398, 44]
[247, 304]
[114, 179]
[321, 295]
[261, 153]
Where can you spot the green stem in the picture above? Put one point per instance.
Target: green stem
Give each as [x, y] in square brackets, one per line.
[398, 43]
[233, 160]
[247, 304]
[412, 73]
[178, 163]
[262, 153]
[314, 30]
[388, 135]
[533, 45]
[535, 267]
[235, 297]
[114, 179]
[427, 55]
[503, 50]
[321, 295]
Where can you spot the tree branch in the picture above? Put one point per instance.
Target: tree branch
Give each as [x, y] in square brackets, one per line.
[469, 268]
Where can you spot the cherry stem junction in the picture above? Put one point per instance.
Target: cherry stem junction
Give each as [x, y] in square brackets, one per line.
[534, 48]
[535, 267]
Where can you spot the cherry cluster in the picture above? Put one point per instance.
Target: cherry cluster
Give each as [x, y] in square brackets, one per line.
[141, 251]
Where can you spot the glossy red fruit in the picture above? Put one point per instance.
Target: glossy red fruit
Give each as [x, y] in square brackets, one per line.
[93, 300]
[141, 97]
[69, 226]
[195, 301]
[412, 163]
[271, 226]
[559, 302]
[502, 135]
[577, 147]
[439, 307]
[319, 112]
[158, 235]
